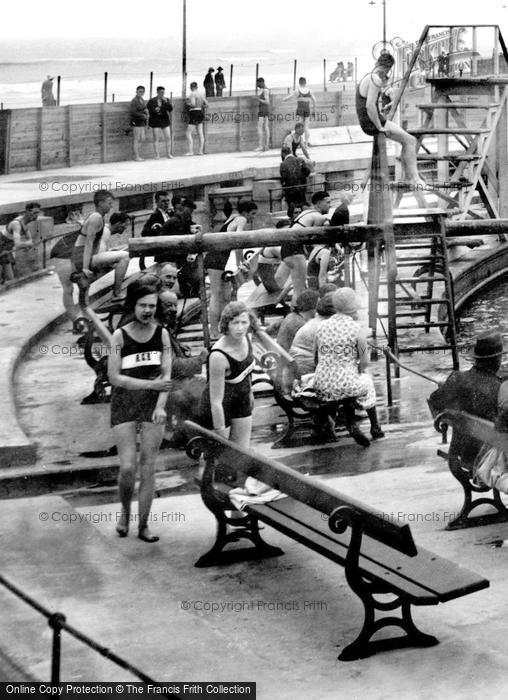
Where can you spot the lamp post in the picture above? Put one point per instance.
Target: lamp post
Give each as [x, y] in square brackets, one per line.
[184, 49]
[383, 2]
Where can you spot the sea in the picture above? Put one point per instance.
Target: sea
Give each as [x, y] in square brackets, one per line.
[82, 64]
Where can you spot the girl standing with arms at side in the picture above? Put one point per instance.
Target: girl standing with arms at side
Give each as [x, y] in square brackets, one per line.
[139, 370]
[227, 402]
[263, 99]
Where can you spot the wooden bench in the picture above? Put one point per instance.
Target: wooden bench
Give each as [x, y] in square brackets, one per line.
[298, 411]
[482, 430]
[378, 554]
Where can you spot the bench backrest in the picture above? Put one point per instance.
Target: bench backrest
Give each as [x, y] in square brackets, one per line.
[307, 490]
[475, 427]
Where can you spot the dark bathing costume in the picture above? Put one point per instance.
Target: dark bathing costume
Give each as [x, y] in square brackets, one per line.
[142, 361]
[288, 249]
[217, 259]
[366, 123]
[237, 401]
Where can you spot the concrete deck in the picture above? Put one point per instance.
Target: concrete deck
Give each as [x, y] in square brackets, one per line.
[78, 183]
[146, 601]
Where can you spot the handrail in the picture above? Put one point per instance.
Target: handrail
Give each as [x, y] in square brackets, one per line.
[57, 621]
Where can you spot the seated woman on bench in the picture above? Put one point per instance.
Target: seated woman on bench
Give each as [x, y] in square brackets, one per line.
[342, 359]
[90, 255]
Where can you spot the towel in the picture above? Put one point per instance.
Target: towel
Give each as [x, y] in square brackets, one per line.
[254, 493]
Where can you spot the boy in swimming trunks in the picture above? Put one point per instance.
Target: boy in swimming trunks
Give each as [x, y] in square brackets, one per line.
[371, 120]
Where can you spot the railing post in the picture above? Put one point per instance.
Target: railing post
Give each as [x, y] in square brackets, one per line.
[151, 84]
[389, 396]
[58, 81]
[294, 74]
[230, 80]
[105, 87]
[324, 74]
[55, 622]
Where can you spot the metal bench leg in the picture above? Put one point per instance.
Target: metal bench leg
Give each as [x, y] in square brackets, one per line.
[463, 519]
[363, 645]
[246, 528]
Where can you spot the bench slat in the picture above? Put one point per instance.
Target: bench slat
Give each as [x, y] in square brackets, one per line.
[438, 577]
[334, 547]
[307, 490]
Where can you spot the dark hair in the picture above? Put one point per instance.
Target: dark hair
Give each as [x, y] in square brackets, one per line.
[302, 81]
[193, 85]
[231, 311]
[307, 300]
[32, 205]
[159, 194]
[160, 87]
[101, 196]
[325, 306]
[246, 205]
[176, 200]
[299, 125]
[140, 87]
[141, 287]
[119, 217]
[260, 80]
[318, 196]
[385, 59]
[283, 223]
[285, 151]
[327, 289]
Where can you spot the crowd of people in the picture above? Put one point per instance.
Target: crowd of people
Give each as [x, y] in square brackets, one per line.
[341, 73]
[321, 342]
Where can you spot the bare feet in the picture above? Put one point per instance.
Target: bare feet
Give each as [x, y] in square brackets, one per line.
[123, 525]
[144, 534]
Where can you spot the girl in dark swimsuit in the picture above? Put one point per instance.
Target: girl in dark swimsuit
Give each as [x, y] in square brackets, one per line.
[139, 369]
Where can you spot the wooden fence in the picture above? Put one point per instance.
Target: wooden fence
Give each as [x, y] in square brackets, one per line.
[55, 137]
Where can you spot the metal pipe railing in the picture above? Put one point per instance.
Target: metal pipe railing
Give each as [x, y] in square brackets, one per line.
[57, 621]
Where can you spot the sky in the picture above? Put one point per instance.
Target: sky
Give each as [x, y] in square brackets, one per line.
[253, 21]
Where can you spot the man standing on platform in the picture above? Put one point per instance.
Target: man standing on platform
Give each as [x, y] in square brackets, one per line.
[159, 109]
[294, 172]
[138, 119]
[48, 99]
[208, 83]
[370, 88]
[220, 83]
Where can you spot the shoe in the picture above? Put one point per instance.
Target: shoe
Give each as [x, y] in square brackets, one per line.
[359, 437]
[147, 538]
[376, 432]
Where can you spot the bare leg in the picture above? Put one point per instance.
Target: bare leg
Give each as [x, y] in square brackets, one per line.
[306, 122]
[125, 439]
[266, 127]
[119, 259]
[240, 431]
[151, 438]
[155, 133]
[8, 272]
[298, 267]
[166, 133]
[282, 274]
[201, 135]
[218, 299]
[188, 136]
[260, 133]
[408, 152]
[63, 269]
[138, 138]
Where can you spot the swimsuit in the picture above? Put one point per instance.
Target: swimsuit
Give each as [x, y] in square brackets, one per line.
[217, 259]
[303, 104]
[264, 108]
[287, 249]
[366, 123]
[143, 361]
[238, 401]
